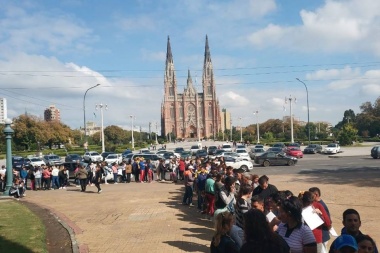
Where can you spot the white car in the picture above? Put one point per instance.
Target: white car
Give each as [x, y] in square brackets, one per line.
[238, 164]
[36, 161]
[92, 156]
[233, 155]
[242, 152]
[114, 158]
[227, 147]
[194, 149]
[332, 148]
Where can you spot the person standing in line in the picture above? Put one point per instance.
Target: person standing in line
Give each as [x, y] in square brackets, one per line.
[98, 177]
[82, 176]
[222, 241]
[63, 177]
[37, 178]
[142, 170]
[136, 169]
[161, 170]
[31, 178]
[189, 182]
[181, 167]
[24, 175]
[55, 174]
[46, 178]
[114, 171]
[128, 171]
[242, 205]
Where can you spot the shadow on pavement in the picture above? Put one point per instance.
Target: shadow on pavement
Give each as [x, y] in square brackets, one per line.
[360, 177]
[12, 247]
[199, 227]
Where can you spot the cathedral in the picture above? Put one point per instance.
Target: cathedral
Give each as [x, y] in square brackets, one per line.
[190, 115]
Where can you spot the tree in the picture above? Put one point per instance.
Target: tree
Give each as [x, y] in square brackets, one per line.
[348, 117]
[347, 135]
[115, 135]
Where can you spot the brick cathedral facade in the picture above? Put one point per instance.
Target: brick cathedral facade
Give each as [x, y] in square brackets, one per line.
[190, 114]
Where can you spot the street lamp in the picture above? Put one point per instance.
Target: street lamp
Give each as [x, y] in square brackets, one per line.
[100, 106]
[8, 131]
[84, 115]
[257, 125]
[308, 115]
[133, 140]
[156, 133]
[241, 131]
[231, 128]
[291, 116]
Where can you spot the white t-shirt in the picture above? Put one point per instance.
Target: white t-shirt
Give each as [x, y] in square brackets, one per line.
[297, 238]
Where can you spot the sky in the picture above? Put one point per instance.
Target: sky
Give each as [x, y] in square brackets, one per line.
[51, 52]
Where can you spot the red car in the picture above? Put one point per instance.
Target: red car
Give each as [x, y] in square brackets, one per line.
[295, 152]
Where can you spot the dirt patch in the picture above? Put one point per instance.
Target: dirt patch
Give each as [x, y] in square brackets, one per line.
[57, 237]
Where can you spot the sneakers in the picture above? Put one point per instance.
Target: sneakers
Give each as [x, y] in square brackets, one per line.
[106, 183]
[60, 188]
[191, 204]
[115, 182]
[64, 187]
[100, 191]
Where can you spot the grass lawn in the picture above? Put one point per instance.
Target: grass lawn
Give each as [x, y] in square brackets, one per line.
[20, 229]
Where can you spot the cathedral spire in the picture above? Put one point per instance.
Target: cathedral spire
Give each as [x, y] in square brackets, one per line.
[207, 52]
[169, 56]
[189, 79]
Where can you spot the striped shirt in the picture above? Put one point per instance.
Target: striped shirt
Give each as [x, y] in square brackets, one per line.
[242, 207]
[296, 238]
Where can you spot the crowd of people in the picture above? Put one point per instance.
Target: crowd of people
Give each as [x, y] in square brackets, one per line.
[250, 215]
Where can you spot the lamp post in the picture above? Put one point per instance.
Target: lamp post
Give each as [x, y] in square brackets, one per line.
[308, 115]
[156, 133]
[257, 125]
[100, 106]
[84, 115]
[133, 140]
[241, 131]
[291, 116]
[231, 128]
[8, 131]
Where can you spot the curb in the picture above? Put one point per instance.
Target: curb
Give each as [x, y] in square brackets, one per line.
[340, 156]
[70, 226]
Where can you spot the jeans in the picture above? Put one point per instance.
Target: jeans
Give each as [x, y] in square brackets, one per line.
[163, 172]
[115, 177]
[55, 182]
[46, 183]
[128, 177]
[83, 184]
[200, 200]
[37, 183]
[188, 197]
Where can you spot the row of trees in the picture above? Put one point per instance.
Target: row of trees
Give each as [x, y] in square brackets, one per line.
[32, 133]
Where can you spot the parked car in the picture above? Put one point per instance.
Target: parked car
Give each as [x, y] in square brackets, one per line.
[154, 158]
[240, 146]
[238, 164]
[179, 150]
[256, 152]
[105, 154]
[128, 157]
[294, 144]
[186, 154]
[332, 148]
[126, 152]
[279, 145]
[201, 153]
[92, 156]
[273, 158]
[295, 152]
[375, 152]
[36, 161]
[259, 146]
[227, 147]
[276, 149]
[113, 158]
[242, 152]
[73, 158]
[18, 162]
[194, 149]
[51, 159]
[211, 150]
[313, 149]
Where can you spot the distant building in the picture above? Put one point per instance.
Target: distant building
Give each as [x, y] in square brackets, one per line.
[52, 114]
[91, 128]
[190, 114]
[3, 110]
[225, 118]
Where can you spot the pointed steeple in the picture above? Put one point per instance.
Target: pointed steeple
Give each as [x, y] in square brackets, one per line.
[189, 79]
[189, 90]
[169, 56]
[207, 52]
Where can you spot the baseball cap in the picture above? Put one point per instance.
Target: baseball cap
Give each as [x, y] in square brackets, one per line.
[345, 241]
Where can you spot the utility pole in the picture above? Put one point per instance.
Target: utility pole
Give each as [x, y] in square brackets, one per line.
[133, 140]
[100, 106]
[241, 131]
[257, 125]
[291, 115]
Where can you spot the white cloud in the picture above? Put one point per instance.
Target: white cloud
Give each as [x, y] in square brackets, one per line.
[139, 23]
[232, 99]
[338, 26]
[35, 31]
